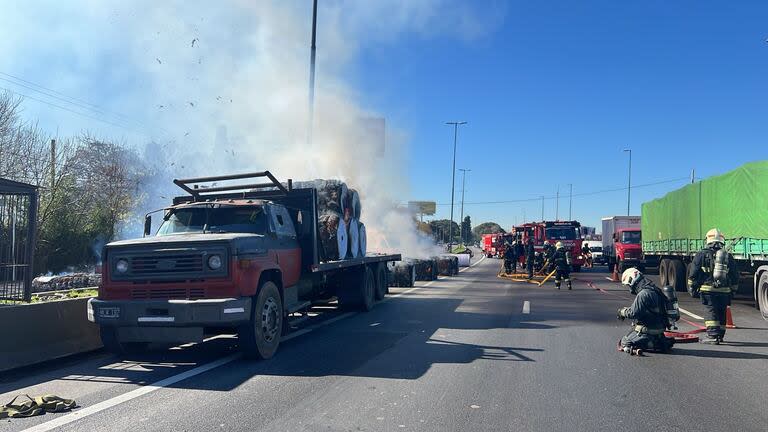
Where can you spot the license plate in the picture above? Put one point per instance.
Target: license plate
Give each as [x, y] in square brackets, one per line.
[109, 312]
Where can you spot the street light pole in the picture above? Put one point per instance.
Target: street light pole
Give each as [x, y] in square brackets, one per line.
[557, 205]
[542, 208]
[461, 218]
[629, 180]
[570, 200]
[313, 50]
[453, 176]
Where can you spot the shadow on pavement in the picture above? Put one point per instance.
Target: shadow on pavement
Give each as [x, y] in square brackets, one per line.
[717, 354]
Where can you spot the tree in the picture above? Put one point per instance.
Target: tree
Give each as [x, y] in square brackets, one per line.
[442, 229]
[487, 228]
[466, 230]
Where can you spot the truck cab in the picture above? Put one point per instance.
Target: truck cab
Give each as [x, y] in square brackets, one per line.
[566, 232]
[628, 244]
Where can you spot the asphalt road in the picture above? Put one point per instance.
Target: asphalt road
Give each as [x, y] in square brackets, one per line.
[468, 353]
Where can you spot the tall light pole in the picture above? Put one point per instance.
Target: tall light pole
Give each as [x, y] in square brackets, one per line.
[629, 179]
[557, 204]
[313, 49]
[461, 218]
[542, 208]
[570, 200]
[453, 175]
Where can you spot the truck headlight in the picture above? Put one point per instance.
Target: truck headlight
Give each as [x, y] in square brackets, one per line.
[214, 262]
[121, 266]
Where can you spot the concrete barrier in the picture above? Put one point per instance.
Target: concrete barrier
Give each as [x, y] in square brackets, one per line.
[38, 332]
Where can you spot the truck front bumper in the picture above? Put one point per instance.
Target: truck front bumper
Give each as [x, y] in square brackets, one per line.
[227, 312]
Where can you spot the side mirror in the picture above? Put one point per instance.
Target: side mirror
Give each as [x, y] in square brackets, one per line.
[147, 225]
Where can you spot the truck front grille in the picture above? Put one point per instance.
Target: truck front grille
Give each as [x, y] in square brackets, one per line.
[167, 264]
[167, 293]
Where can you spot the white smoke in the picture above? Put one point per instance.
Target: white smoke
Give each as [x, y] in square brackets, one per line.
[223, 88]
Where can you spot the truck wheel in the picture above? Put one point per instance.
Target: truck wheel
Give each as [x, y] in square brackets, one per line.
[411, 276]
[260, 337]
[112, 343]
[676, 275]
[663, 272]
[762, 295]
[381, 281]
[368, 289]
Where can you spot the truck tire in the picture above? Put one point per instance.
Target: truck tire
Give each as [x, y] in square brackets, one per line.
[112, 343]
[663, 272]
[368, 289]
[762, 295]
[260, 337]
[676, 275]
[382, 287]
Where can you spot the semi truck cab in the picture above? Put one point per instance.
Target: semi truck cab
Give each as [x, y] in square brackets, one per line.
[628, 244]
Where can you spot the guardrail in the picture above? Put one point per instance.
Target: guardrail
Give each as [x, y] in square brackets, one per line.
[38, 332]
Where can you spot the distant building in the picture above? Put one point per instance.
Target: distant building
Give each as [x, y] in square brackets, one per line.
[587, 232]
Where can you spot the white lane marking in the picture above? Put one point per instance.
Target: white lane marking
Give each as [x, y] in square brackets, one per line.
[156, 319]
[691, 314]
[526, 307]
[141, 391]
[472, 265]
[133, 394]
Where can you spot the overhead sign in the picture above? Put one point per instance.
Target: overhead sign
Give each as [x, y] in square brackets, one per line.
[427, 208]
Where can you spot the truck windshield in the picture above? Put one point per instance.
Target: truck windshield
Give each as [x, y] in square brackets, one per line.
[631, 237]
[564, 233]
[596, 249]
[214, 220]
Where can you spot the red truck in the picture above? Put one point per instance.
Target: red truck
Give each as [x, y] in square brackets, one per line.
[566, 232]
[622, 243]
[491, 244]
[242, 257]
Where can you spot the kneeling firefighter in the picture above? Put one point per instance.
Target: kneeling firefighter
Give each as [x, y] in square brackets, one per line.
[562, 262]
[713, 275]
[653, 311]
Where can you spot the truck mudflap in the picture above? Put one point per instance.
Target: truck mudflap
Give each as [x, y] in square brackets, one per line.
[227, 312]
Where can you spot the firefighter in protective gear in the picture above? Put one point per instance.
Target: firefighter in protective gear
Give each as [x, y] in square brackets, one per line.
[562, 262]
[548, 252]
[509, 258]
[530, 258]
[714, 275]
[649, 315]
[587, 253]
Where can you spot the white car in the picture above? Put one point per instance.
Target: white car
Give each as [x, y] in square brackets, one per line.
[596, 248]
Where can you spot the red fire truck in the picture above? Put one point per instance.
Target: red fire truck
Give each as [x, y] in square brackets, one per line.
[566, 232]
[491, 244]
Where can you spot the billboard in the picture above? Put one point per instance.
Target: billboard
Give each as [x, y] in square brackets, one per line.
[426, 208]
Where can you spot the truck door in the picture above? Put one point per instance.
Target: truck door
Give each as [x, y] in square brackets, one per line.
[287, 245]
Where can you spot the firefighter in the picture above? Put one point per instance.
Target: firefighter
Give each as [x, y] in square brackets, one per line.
[509, 258]
[561, 259]
[652, 312]
[714, 275]
[547, 254]
[530, 258]
[520, 252]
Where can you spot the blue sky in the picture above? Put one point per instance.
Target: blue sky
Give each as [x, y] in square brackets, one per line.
[554, 95]
[552, 90]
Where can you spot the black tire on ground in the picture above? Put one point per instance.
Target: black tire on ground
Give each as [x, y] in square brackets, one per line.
[112, 343]
[368, 289]
[762, 295]
[381, 281]
[676, 275]
[663, 272]
[260, 337]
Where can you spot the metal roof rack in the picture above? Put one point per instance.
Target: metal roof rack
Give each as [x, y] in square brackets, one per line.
[272, 188]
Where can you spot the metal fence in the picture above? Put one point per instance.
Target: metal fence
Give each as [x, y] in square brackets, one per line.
[18, 220]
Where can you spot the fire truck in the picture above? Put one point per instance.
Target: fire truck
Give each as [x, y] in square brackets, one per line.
[492, 244]
[566, 232]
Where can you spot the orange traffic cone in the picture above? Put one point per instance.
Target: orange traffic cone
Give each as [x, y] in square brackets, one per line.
[615, 274]
[729, 318]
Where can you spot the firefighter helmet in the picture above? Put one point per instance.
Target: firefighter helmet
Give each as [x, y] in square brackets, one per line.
[559, 245]
[630, 277]
[715, 236]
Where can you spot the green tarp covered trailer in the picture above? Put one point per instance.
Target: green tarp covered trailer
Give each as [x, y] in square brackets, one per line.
[674, 226]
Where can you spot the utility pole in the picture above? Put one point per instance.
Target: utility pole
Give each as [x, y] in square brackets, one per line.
[570, 200]
[557, 205]
[542, 208]
[461, 218]
[453, 176]
[53, 163]
[629, 179]
[693, 175]
[313, 50]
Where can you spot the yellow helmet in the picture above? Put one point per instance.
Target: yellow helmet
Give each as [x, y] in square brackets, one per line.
[559, 245]
[715, 236]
